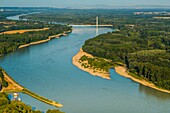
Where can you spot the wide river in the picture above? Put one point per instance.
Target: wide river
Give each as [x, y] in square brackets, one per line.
[47, 69]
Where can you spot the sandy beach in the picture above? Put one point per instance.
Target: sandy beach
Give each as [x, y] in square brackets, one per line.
[75, 61]
[43, 41]
[122, 71]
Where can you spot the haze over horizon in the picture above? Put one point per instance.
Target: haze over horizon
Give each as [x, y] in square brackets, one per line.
[82, 4]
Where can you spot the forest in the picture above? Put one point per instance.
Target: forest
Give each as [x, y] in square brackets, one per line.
[143, 47]
[7, 25]
[11, 42]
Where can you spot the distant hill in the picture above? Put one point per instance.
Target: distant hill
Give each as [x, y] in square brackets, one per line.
[89, 7]
[124, 7]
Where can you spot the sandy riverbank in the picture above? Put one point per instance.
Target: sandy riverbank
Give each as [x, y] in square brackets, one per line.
[43, 41]
[119, 69]
[122, 71]
[12, 85]
[23, 31]
[75, 61]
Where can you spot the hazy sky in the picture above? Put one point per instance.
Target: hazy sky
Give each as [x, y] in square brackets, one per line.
[79, 3]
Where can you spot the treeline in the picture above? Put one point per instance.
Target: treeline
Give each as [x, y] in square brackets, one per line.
[10, 42]
[143, 47]
[8, 106]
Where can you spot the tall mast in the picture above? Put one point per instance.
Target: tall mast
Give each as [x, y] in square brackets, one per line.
[97, 21]
[97, 25]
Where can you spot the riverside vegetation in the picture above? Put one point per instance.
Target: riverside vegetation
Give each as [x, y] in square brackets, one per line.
[143, 47]
[11, 42]
[96, 63]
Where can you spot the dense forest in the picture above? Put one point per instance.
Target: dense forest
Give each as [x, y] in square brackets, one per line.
[144, 47]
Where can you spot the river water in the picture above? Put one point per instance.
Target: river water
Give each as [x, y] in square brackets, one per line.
[47, 70]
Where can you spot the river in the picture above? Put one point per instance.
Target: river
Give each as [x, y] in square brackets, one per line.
[47, 69]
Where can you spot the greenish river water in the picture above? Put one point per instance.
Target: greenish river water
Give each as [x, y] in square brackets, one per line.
[47, 69]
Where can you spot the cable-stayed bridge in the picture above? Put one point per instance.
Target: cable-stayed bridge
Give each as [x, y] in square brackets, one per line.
[97, 25]
[93, 25]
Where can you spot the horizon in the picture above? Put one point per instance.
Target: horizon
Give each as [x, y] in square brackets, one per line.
[98, 7]
[85, 4]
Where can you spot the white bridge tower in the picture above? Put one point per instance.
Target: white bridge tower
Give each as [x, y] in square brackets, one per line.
[97, 25]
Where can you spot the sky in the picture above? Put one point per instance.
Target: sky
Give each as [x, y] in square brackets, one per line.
[80, 3]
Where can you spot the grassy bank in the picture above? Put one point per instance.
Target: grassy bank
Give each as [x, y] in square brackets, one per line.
[15, 87]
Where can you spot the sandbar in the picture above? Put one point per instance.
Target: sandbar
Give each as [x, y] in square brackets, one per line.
[75, 61]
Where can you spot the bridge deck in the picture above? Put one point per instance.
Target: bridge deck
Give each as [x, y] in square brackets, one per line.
[93, 25]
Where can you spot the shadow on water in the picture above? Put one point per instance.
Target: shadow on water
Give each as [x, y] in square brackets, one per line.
[154, 93]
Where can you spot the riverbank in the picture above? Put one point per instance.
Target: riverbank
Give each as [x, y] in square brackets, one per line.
[123, 72]
[77, 63]
[65, 33]
[13, 87]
